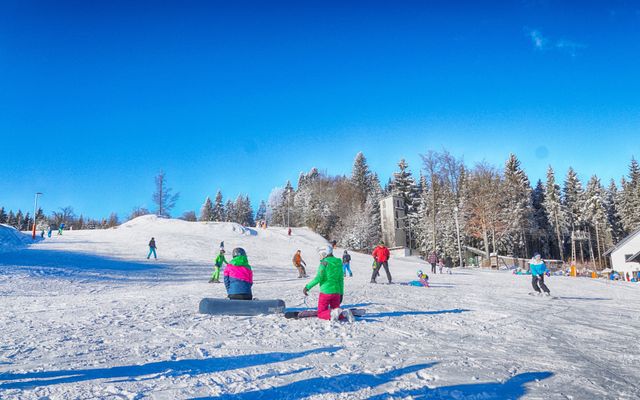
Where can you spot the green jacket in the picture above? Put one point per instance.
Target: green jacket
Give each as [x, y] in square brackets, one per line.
[220, 260]
[330, 276]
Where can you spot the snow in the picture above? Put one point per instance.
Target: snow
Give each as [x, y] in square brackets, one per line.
[11, 239]
[86, 315]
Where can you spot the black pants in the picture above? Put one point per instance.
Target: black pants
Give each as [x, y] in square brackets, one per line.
[433, 267]
[537, 281]
[376, 271]
[240, 297]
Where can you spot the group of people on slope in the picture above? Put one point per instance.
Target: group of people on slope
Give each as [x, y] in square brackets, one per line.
[441, 264]
[300, 265]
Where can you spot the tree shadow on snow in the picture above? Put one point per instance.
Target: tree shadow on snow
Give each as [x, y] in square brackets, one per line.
[514, 388]
[189, 367]
[323, 385]
[584, 298]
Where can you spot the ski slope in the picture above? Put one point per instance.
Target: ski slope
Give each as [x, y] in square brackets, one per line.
[85, 315]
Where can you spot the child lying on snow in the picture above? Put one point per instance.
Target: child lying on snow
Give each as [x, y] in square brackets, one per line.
[423, 280]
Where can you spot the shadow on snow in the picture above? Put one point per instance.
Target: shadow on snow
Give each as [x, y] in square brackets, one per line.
[514, 388]
[406, 313]
[189, 367]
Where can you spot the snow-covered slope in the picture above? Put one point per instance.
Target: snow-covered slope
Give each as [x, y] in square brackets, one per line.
[86, 315]
[11, 238]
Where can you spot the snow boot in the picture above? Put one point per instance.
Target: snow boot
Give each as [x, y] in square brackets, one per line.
[335, 314]
[348, 315]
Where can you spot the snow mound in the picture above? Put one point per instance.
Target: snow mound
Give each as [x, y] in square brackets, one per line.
[11, 238]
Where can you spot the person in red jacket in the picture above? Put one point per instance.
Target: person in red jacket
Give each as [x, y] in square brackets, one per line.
[381, 259]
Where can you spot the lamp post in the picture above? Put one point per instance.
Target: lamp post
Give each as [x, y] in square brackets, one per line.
[35, 209]
[455, 211]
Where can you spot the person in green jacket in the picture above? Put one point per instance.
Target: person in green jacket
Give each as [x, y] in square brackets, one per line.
[331, 281]
[220, 261]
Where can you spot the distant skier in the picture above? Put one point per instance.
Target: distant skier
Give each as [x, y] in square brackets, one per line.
[381, 258]
[433, 259]
[538, 269]
[238, 276]
[42, 234]
[300, 265]
[289, 232]
[60, 228]
[152, 249]
[331, 281]
[49, 232]
[441, 265]
[220, 261]
[448, 264]
[423, 280]
[346, 264]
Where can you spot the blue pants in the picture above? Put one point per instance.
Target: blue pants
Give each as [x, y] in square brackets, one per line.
[152, 250]
[346, 267]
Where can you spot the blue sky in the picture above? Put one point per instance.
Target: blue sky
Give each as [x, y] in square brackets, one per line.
[97, 97]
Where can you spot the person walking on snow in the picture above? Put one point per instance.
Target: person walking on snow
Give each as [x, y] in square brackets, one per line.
[238, 276]
[300, 265]
[381, 258]
[49, 232]
[220, 261]
[331, 281]
[433, 259]
[346, 264]
[538, 269]
[152, 248]
[441, 265]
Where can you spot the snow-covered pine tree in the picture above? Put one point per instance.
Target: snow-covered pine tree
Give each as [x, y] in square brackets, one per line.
[206, 212]
[556, 214]
[540, 230]
[630, 199]
[19, 221]
[11, 219]
[361, 176]
[404, 185]
[613, 215]
[218, 212]
[230, 212]
[3, 216]
[275, 207]
[595, 214]
[573, 200]
[517, 207]
[261, 214]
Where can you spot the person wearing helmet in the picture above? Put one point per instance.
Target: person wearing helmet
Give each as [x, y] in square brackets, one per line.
[381, 259]
[538, 269]
[238, 276]
[331, 281]
[220, 261]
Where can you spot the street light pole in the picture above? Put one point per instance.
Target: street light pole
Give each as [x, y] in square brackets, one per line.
[35, 209]
[455, 211]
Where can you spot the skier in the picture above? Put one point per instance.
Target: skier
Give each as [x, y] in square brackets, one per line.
[432, 259]
[238, 276]
[423, 280]
[441, 265]
[49, 232]
[331, 281]
[381, 258]
[346, 264]
[538, 269]
[300, 265]
[42, 234]
[152, 248]
[60, 228]
[448, 264]
[220, 261]
[289, 232]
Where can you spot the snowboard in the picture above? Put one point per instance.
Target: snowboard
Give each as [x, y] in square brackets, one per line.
[357, 312]
[240, 307]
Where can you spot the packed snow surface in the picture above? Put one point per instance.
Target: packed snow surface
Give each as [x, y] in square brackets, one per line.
[86, 315]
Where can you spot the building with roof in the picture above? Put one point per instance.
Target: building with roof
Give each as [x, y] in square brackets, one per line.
[625, 255]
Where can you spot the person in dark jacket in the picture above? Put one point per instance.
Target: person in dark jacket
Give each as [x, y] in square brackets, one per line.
[152, 249]
[346, 264]
[238, 276]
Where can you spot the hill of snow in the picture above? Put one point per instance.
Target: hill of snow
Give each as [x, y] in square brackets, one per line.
[11, 238]
[86, 315]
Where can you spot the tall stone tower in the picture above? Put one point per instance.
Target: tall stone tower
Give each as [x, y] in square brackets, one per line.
[392, 219]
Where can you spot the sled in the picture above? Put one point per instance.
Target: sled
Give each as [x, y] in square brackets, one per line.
[357, 312]
[240, 307]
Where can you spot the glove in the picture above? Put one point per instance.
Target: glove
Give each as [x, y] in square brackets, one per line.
[305, 291]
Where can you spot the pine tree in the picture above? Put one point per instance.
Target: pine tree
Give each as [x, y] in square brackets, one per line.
[541, 230]
[11, 219]
[19, 221]
[573, 200]
[218, 213]
[3, 216]
[630, 198]
[613, 215]
[361, 176]
[555, 211]
[230, 212]
[517, 207]
[206, 212]
[404, 186]
[261, 214]
[595, 214]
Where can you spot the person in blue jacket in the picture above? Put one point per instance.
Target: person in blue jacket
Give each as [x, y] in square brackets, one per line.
[538, 269]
